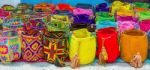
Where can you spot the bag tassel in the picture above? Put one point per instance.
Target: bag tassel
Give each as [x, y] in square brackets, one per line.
[103, 56]
[75, 61]
[136, 61]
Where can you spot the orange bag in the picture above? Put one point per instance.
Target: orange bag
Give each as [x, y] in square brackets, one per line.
[134, 42]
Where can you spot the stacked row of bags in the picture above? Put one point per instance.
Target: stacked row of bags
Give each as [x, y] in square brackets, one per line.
[62, 33]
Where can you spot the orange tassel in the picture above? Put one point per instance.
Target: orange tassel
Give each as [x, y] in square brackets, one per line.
[75, 62]
[136, 61]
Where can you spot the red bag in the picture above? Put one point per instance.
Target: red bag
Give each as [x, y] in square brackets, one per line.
[62, 6]
[108, 42]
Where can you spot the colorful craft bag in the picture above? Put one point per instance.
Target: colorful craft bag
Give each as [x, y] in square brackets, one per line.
[85, 6]
[62, 6]
[10, 47]
[8, 7]
[32, 47]
[79, 11]
[3, 16]
[107, 40]
[59, 22]
[141, 4]
[44, 7]
[133, 43]
[83, 18]
[83, 21]
[115, 6]
[13, 24]
[23, 8]
[125, 25]
[104, 16]
[103, 7]
[137, 1]
[55, 47]
[80, 42]
[145, 25]
[105, 24]
[148, 35]
[143, 15]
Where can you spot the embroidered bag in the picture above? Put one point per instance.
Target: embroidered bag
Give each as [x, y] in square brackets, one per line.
[59, 23]
[44, 7]
[8, 7]
[13, 24]
[55, 47]
[32, 47]
[10, 47]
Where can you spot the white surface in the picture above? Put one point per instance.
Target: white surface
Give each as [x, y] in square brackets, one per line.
[10, 2]
[47, 66]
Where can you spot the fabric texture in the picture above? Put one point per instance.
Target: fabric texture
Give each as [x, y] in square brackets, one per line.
[109, 37]
[137, 41]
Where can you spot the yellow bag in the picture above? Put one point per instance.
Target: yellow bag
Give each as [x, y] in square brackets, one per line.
[115, 6]
[132, 43]
[83, 43]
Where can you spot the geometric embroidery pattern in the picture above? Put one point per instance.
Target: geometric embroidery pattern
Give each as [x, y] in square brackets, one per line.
[56, 48]
[32, 49]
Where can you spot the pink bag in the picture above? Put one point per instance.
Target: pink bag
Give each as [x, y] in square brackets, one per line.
[126, 18]
[79, 11]
[125, 25]
[145, 25]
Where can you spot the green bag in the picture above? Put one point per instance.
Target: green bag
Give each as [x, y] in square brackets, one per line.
[59, 23]
[103, 16]
[144, 15]
[141, 5]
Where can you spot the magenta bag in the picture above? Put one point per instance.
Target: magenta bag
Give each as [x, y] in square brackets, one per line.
[79, 11]
[126, 18]
[131, 19]
[125, 25]
[145, 25]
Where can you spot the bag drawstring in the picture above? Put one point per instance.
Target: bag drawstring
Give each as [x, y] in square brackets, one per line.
[136, 61]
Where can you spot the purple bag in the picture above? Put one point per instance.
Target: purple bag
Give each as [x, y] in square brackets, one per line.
[102, 7]
[83, 21]
[79, 11]
[83, 18]
[145, 25]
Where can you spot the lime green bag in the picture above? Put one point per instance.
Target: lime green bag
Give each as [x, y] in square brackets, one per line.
[59, 23]
[82, 45]
[141, 5]
[103, 16]
[144, 15]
